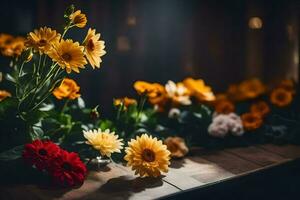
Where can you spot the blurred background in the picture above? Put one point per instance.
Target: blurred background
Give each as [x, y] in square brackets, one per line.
[221, 42]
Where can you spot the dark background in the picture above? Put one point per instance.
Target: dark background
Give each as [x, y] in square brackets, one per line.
[171, 39]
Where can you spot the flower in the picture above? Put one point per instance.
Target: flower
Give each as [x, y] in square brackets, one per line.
[42, 40]
[288, 85]
[15, 48]
[178, 93]
[125, 101]
[40, 153]
[235, 124]
[143, 87]
[176, 146]
[158, 95]
[4, 94]
[69, 55]
[147, 156]
[199, 90]
[78, 19]
[67, 169]
[224, 107]
[252, 88]
[94, 48]
[261, 108]
[67, 89]
[104, 141]
[251, 121]
[223, 124]
[281, 97]
[174, 113]
[155, 92]
[5, 40]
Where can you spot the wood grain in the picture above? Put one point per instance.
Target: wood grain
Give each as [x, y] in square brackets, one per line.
[257, 155]
[203, 168]
[287, 151]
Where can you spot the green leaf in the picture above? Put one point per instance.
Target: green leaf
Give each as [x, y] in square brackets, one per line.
[12, 154]
[10, 78]
[36, 133]
[46, 107]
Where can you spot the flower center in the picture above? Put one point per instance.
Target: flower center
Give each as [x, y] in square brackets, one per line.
[67, 57]
[78, 19]
[42, 152]
[66, 166]
[91, 45]
[42, 42]
[148, 155]
[281, 97]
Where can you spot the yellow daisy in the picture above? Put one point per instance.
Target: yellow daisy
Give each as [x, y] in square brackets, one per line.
[67, 89]
[94, 48]
[69, 55]
[78, 19]
[43, 39]
[104, 141]
[147, 156]
[4, 94]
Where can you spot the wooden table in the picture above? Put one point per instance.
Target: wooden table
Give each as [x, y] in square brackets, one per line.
[202, 169]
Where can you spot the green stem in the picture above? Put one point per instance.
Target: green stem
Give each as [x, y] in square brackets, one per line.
[65, 106]
[141, 105]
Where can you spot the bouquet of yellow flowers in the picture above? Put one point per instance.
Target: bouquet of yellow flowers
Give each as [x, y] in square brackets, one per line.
[39, 69]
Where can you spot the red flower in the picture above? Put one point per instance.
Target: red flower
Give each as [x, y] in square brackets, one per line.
[40, 153]
[67, 169]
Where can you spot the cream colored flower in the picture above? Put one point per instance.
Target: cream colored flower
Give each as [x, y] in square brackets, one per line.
[178, 93]
[105, 142]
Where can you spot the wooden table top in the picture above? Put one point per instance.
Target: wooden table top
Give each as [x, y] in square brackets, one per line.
[203, 168]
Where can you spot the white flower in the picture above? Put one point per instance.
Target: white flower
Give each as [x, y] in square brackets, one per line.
[174, 113]
[219, 126]
[223, 124]
[105, 142]
[178, 93]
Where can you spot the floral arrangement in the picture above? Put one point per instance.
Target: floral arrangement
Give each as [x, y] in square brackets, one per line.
[47, 127]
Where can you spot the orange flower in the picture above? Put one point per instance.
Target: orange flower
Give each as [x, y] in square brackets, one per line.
[143, 87]
[176, 146]
[155, 92]
[158, 95]
[68, 89]
[125, 101]
[252, 88]
[11, 46]
[281, 97]
[199, 90]
[5, 40]
[248, 89]
[224, 107]
[260, 108]
[251, 121]
[4, 94]
[288, 85]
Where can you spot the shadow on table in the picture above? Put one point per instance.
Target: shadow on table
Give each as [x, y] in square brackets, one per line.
[124, 186]
[178, 163]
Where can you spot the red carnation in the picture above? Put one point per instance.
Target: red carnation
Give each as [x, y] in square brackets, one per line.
[67, 169]
[40, 153]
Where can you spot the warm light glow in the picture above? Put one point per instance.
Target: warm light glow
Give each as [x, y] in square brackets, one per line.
[123, 43]
[255, 23]
[131, 21]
